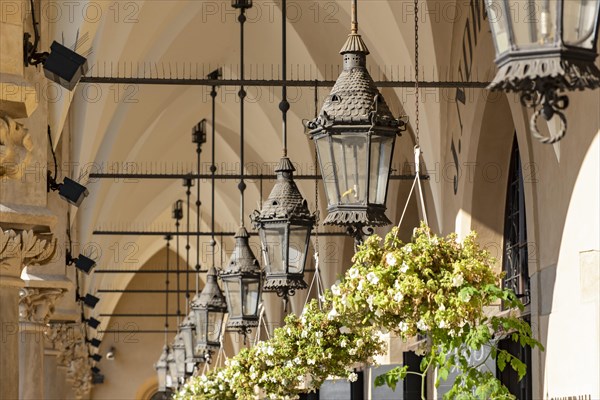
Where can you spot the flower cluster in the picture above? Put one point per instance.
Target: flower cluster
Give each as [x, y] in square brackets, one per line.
[433, 286]
[298, 358]
[430, 286]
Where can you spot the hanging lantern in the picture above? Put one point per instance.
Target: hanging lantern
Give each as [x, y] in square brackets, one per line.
[161, 370]
[242, 281]
[355, 134]
[284, 224]
[172, 381]
[188, 333]
[551, 50]
[179, 356]
[209, 310]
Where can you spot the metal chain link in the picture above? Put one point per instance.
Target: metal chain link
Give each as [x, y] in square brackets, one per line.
[417, 72]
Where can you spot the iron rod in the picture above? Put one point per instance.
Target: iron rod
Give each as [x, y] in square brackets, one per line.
[124, 175]
[162, 233]
[135, 271]
[137, 315]
[135, 331]
[276, 82]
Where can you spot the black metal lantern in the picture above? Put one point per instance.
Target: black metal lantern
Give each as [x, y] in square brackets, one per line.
[355, 134]
[243, 286]
[177, 211]
[209, 310]
[161, 370]
[552, 49]
[284, 224]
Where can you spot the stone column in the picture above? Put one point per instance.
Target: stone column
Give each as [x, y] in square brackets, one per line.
[73, 364]
[16, 250]
[35, 307]
[60, 337]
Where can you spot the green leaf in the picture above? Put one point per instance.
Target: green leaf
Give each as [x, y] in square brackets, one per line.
[443, 373]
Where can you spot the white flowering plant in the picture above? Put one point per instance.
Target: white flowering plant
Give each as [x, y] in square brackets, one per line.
[433, 286]
[298, 358]
[441, 289]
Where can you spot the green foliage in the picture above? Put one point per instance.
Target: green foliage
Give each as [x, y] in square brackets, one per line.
[433, 286]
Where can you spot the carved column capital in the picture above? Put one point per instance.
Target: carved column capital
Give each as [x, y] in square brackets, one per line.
[36, 305]
[18, 249]
[68, 340]
[16, 148]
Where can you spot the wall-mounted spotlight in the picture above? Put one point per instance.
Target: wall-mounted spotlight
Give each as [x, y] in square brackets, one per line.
[88, 300]
[95, 370]
[70, 191]
[96, 357]
[216, 74]
[61, 65]
[94, 342]
[92, 322]
[110, 354]
[82, 262]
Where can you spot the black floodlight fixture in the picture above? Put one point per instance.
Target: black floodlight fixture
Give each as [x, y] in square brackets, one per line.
[94, 342]
[61, 65]
[82, 263]
[92, 322]
[96, 357]
[89, 300]
[199, 132]
[243, 4]
[95, 370]
[188, 181]
[70, 191]
[216, 74]
[64, 66]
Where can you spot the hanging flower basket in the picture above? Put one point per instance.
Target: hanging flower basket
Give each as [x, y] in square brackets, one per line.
[434, 287]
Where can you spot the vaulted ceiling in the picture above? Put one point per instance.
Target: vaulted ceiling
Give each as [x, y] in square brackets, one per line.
[148, 127]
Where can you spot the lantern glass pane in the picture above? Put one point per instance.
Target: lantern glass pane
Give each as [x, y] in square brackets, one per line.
[579, 22]
[180, 360]
[350, 152]
[297, 248]
[499, 22]
[188, 341]
[201, 326]
[189, 368]
[234, 297]
[172, 370]
[251, 292]
[273, 248]
[162, 378]
[328, 169]
[381, 156]
[535, 23]
[215, 320]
